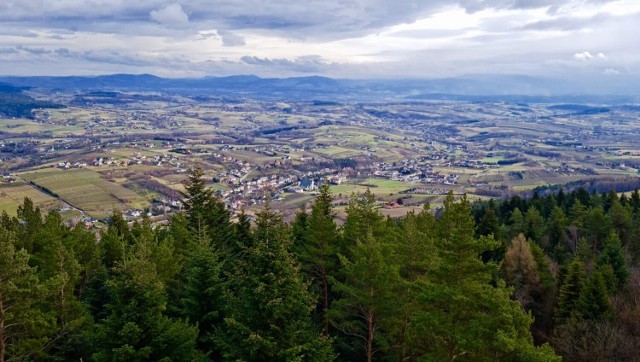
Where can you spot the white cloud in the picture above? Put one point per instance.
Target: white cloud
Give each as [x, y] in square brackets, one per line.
[359, 38]
[172, 15]
[611, 71]
[587, 56]
[230, 39]
[583, 56]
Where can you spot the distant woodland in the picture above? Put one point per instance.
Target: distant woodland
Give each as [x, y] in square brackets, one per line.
[15, 104]
[535, 279]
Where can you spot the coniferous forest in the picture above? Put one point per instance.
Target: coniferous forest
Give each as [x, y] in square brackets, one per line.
[537, 279]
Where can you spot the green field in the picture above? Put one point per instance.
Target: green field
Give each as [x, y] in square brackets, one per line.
[12, 195]
[337, 151]
[86, 190]
[379, 187]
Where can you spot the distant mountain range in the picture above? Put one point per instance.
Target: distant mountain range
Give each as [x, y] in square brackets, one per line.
[487, 87]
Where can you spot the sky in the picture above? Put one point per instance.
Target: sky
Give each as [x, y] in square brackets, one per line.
[334, 38]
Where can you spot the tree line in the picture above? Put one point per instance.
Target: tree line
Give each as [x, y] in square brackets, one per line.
[572, 259]
[14, 104]
[470, 282]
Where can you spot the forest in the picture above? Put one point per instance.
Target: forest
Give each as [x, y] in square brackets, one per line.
[13, 103]
[539, 279]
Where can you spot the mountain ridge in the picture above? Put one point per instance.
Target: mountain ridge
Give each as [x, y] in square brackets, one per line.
[311, 87]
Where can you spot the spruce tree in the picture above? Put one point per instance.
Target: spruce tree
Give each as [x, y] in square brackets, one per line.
[597, 227]
[267, 305]
[634, 201]
[204, 208]
[299, 231]
[594, 300]
[136, 327]
[534, 224]
[489, 224]
[243, 235]
[199, 196]
[516, 222]
[201, 298]
[570, 291]
[115, 241]
[557, 232]
[613, 255]
[621, 220]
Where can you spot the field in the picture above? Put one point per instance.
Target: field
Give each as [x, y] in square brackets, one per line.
[86, 190]
[378, 186]
[12, 195]
[252, 149]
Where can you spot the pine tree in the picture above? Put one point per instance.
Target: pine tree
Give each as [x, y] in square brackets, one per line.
[366, 295]
[82, 243]
[319, 254]
[243, 235]
[583, 196]
[59, 271]
[30, 222]
[415, 258]
[416, 249]
[610, 198]
[464, 307]
[24, 327]
[180, 232]
[363, 218]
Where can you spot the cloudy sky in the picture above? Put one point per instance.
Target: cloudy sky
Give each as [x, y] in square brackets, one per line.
[337, 38]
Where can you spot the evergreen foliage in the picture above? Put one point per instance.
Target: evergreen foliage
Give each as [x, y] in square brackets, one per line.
[492, 281]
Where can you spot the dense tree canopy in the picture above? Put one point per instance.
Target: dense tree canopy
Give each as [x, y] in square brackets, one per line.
[480, 282]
